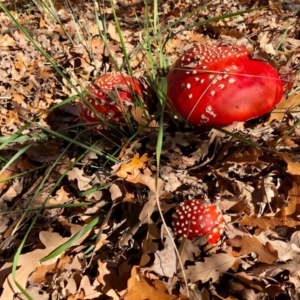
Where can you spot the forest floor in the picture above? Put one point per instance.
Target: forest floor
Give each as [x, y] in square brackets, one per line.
[87, 205]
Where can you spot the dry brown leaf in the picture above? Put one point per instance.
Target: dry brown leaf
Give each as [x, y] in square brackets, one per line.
[36, 293]
[295, 238]
[5, 174]
[293, 166]
[102, 268]
[30, 261]
[144, 121]
[19, 165]
[153, 184]
[251, 281]
[165, 260]
[39, 275]
[111, 30]
[61, 196]
[115, 191]
[79, 296]
[148, 209]
[102, 241]
[265, 253]
[267, 222]
[293, 206]
[90, 290]
[83, 182]
[285, 105]
[211, 268]
[173, 44]
[250, 155]
[140, 287]
[6, 41]
[286, 251]
[149, 245]
[110, 279]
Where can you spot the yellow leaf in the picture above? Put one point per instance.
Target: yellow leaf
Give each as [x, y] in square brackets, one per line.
[136, 162]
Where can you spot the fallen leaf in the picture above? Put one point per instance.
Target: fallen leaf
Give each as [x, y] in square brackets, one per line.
[30, 261]
[115, 191]
[6, 41]
[39, 275]
[83, 182]
[140, 287]
[210, 269]
[136, 162]
[165, 260]
[293, 166]
[290, 104]
[265, 223]
[247, 245]
[293, 204]
[111, 30]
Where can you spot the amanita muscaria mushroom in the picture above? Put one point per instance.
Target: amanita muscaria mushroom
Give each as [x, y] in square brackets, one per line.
[109, 96]
[219, 85]
[195, 218]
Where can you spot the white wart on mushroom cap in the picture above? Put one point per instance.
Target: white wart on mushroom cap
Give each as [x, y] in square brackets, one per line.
[218, 85]
[194, 218]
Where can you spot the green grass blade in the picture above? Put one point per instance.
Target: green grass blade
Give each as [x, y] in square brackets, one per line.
[59, 250]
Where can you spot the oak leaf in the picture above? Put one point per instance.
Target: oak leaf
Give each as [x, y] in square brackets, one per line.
[211, 268]
[291, 104]
[246, 244]
[140, 287]
[128, 168]
[293, 166]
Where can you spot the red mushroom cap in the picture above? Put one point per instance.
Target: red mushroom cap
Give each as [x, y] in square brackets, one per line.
[195, 218]
[110, 95]
[218, 85]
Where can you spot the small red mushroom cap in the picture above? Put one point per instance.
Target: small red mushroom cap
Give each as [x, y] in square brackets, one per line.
[109, 96]
[195, 218]
[218, 85]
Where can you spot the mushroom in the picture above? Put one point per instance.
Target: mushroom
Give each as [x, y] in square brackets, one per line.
[219, 85]
[194, 218]
[109, 97]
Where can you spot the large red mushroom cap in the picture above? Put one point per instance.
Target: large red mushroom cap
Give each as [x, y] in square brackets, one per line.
[195, 218]
[109, 96]
[218, 85]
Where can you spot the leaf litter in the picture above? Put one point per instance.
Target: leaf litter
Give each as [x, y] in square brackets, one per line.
[256, 185]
